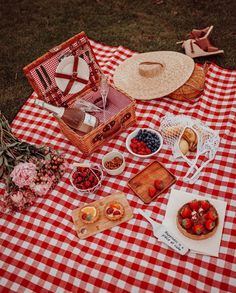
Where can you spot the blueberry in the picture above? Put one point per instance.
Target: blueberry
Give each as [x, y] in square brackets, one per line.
[140, 132]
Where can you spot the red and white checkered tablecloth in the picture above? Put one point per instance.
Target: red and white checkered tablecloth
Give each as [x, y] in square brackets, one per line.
[39, 248]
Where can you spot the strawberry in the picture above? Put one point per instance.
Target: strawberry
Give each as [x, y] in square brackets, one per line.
[211, 215]
[186, 212]
[187, 223]
[158, 184]
[152, 191]
[198, 229]
[194, 205]
[209, 224]
[205, 205]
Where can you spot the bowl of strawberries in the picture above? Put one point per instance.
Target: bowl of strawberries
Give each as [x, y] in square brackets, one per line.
[86, 178]
[144, 142]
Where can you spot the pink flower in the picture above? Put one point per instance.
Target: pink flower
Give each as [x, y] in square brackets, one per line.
[41, 189]
[23, 174]
[17, 197]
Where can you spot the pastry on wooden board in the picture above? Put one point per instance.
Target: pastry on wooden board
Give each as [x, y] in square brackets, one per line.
[88, 214]
[114, 211]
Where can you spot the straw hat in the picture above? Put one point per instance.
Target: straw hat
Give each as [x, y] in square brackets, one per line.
[153, 75]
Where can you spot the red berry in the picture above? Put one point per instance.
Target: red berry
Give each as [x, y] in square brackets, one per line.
[87, 184]
[211, 215]
[148, 151]
[205, 205]
[74, 175]
[84, 174]
[152, 191]
[198, 229]
[109, 211]
[116, 213]
[186, 212]
[187, 223]
[84, 216]
[194, 205]
[158, 184]
[132, 146]
[209, 224]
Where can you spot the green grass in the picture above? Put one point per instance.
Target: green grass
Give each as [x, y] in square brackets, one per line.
[29, 28]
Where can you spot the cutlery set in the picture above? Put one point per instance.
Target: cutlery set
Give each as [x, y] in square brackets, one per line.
[47, 82]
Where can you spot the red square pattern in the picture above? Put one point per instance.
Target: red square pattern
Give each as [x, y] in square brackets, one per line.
[40, 251]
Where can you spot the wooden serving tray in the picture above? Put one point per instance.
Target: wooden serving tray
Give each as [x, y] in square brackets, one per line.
[142, 181]
[85, 230]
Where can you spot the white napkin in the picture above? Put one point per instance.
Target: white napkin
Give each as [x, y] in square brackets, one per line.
[208, 246]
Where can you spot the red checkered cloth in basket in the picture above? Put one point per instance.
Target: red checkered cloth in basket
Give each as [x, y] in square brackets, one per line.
[40, 251]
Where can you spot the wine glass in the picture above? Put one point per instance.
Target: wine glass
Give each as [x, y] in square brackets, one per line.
[104, 89]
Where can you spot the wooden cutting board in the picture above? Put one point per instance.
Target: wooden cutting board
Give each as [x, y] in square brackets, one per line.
[142, 181]
[85, 230]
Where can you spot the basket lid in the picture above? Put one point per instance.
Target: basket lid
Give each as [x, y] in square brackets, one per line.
[65, 71]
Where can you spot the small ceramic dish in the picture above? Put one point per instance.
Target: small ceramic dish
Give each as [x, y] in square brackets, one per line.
[144, 131]
[113, 163]
[86, 178]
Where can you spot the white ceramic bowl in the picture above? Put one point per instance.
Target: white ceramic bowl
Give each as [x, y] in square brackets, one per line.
[91, 166]
[108, 157]
[134, 133]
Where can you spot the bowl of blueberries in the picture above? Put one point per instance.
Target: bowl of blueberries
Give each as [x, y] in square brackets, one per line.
[144, 142]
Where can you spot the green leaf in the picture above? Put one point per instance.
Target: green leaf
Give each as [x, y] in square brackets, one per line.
[1, 171]
[1, 160]
[10, 154]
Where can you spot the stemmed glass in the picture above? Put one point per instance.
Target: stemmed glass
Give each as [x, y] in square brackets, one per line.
[104, 89]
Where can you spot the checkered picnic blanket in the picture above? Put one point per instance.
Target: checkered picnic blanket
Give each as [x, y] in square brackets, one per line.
[40, 251]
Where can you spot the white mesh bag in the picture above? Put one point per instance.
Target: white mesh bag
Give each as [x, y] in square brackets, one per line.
[172, 128]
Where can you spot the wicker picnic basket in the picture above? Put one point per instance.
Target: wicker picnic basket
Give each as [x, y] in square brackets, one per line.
[193, 87]
[120, 112]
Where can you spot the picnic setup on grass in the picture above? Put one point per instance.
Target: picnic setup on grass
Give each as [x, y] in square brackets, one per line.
[118, 173]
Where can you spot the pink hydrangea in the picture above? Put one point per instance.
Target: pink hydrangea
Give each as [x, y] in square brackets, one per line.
[17, 197]
[41, 189]
[23, 174]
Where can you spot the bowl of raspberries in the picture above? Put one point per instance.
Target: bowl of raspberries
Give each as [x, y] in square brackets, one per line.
[144, 142]
[86, 178]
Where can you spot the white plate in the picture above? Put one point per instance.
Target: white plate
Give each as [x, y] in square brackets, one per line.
[66, 67]
[134, 133]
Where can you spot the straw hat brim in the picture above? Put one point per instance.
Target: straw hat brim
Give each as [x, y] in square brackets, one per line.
[177, 69]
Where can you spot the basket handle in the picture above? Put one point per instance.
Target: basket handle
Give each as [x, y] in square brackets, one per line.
[108, 130]
[111, 128]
